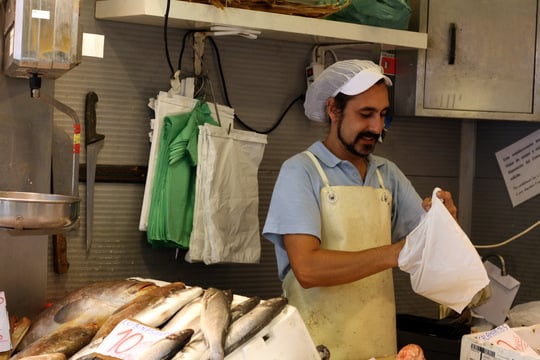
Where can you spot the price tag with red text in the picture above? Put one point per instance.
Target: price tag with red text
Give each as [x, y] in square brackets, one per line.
[128, 339]
[5, 338]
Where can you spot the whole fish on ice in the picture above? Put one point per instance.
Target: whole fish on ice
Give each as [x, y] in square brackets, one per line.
[66, 340]
[137, 305]
[172, 300]
[167, 347]
[194, 349]
[244, 307]
[215, 320]
[90, 304]
[251, 323]
[152, 309]
[52, 356]
[187, 317]
[197, 348]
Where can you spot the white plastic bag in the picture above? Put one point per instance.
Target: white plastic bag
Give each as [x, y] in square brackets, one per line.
[526, 314]
[443, 264]
[226, 213]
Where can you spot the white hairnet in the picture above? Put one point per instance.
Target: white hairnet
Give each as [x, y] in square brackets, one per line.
[350, 77]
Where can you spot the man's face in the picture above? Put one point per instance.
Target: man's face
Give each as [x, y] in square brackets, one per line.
[362, 121]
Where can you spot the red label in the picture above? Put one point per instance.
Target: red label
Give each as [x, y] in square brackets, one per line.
[388, 63]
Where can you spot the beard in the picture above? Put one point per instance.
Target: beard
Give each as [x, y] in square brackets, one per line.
[351, 146]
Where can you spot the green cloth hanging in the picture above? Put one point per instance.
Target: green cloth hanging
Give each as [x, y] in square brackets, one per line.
[170, 218]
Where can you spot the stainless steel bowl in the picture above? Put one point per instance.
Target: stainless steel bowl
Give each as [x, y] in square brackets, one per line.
[26, 210]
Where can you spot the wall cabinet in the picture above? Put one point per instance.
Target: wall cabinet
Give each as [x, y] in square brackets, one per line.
[480, 62]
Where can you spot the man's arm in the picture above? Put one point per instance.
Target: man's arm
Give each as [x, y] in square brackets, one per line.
[314, 266]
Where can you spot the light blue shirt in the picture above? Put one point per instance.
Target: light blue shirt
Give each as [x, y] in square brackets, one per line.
[295, 204]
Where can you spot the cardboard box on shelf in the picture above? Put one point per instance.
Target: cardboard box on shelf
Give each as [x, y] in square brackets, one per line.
[502, 343]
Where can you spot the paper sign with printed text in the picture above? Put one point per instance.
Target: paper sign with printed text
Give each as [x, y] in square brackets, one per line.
[128, 339]
[520, 167]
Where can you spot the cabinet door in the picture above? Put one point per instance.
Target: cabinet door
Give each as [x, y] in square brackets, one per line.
[493, 64]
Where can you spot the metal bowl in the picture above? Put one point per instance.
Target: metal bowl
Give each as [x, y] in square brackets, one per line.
[26, 210]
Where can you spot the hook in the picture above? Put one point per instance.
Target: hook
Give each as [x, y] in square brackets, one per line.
[501, 261]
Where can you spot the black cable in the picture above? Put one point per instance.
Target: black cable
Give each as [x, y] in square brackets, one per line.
[191, 32]
[228, 102]
[165, 27]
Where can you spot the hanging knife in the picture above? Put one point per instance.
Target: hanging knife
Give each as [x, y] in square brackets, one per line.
[94, 143]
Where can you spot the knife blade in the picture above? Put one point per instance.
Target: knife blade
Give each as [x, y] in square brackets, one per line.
[94, 143]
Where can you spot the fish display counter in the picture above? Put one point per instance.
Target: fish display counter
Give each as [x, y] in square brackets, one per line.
[142, 319]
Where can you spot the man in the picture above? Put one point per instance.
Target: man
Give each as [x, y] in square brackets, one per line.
[339, 216]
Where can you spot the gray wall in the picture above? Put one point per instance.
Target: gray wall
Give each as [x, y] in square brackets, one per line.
[262, 77]
[25, 162]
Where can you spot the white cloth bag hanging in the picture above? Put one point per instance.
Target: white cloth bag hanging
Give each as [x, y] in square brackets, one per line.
[443, 264]
[226, 213]
[171, 104]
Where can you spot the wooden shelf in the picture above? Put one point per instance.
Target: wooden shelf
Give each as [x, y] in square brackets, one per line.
[196, 16]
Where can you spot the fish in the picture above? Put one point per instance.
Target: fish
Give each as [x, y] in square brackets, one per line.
[135, 306]
[173, 299]
[91, 304]
[66, 340]
[167, 347]
[252, 322]
[52, 356]
[195, 348]
[244, 307]
[145, 306]
[215, 320]
[19, 329]
[98, 356]
[187, 317]
[88, 349]
[155, 281]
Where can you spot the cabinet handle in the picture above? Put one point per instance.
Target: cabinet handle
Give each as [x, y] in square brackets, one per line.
[452, 54]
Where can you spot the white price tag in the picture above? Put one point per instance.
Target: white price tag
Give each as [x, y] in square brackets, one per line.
[5, 338]
[128, 339]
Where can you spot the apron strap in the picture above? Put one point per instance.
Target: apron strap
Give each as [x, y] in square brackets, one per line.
[379, 176]
[331, 195]
[323, 174]
[318, 166]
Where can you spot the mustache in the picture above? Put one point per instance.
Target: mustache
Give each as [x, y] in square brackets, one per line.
[368, 134]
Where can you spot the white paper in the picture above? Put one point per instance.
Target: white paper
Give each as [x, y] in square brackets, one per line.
[128, 339]
[520, 167]
[5, 338]
[92, 45]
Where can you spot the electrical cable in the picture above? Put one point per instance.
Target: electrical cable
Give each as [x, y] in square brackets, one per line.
[165, 37]
[228, 102]
[181, 54]
[510, 239]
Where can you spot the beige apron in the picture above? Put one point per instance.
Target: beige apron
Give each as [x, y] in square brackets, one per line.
[355, 321]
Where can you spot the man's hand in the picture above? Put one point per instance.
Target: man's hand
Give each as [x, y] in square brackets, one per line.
[447, 200]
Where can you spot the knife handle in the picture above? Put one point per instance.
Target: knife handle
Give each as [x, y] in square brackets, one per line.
[90, 119]
[60, 261]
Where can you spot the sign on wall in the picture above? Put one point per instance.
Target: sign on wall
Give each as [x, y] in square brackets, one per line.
[520, 167]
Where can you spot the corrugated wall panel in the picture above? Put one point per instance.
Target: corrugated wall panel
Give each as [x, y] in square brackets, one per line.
[262, 78]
